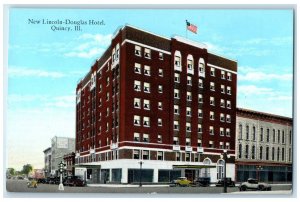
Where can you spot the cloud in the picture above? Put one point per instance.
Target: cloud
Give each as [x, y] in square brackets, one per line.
[89, 53]
[28, 72]
[261, 76]
[254, 90]
[275, 41]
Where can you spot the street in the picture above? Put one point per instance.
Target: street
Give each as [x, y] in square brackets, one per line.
[21, 186]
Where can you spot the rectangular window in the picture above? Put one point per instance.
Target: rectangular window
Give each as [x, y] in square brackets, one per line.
[137, 68]
[147, 104]
[190, 64]
[137, 85]
[283, 138]
[228, 118]
[176, 125]
[200, 98]
[199, 128]
[188, 111]
[177, 156]
[222, 89]
[160, 72]
[147, 53]
[212, 71]
[188, 141]
[137, 103]
[228, 90]
[176, 109]
[145, 154]
[222, 117]
[282, 154]
[268, 135]
[212, 86]
[159, 138]
[137, 120]
[229, 76]
[200, 115]
[222, 74]
[227, 132]
[107, 96]
[211, 144]
[261, 134]
[212, 101]
[221, 131]
[211, 130]
[146, 121]
[160, 107]
[147, 70]
[177, 78]
[175, 141]
[160, 88]
[199, 143]
[160, 55]
[176, 93]
[136, 137]
[189, 96]
[159, 155]
[278, 137]
[228, 104]
[211, 115]
[136, 154]
[187, 157]
[145, 137]
[177, 61]
[138, 51]
[159, 122]
[188, 127]
[227, 145]
[240, 131]
[146, 87]
[189, 80]
[200, 83]
[222, 103]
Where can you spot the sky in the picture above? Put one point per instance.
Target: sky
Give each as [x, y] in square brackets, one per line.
[45, 65]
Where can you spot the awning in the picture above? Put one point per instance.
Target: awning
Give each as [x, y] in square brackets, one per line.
[193, 166]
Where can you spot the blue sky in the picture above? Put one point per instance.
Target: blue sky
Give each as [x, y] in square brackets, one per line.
[44, 66]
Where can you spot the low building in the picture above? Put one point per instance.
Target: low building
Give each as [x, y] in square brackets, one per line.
[47, 161]
[69, 160]
[263, 146]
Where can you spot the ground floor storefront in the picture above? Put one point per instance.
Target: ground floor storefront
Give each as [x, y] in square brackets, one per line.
[264, 172]
[136, 171]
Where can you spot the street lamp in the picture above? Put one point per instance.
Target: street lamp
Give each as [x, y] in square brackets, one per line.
[258, 169]
[225, 156]
[61, 169]
[141, 163]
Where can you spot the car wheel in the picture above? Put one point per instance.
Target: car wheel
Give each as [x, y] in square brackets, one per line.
[243, 188]
[261, 187]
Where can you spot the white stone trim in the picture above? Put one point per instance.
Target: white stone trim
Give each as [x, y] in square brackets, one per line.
[221, 68]
[145, 46]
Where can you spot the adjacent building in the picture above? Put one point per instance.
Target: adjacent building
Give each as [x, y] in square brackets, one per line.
[263, 146]
[69, 160]
[47, 161]
[166, 106]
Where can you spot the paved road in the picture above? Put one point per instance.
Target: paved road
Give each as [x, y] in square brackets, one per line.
[17, 186]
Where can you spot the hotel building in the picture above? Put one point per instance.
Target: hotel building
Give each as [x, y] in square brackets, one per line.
[165, 107]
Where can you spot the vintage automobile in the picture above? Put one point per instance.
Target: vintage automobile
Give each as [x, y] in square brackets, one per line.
[202, 181]
[74, 181]
[32, 184]
[253, 184]
[181, 181]
[229, 182]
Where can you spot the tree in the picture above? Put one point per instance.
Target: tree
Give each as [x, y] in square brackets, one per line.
[27, 169]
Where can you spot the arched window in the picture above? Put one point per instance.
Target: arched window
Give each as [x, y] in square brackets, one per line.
[220, 169]
[190, 64]
[201, 67]
[240, 151]
[177, 60]
[205, 172]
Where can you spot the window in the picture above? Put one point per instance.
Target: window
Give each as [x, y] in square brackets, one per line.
[177, 78]
[201, 67]
[227, 145]
[146, 121]
[268, 135]
[147, 53]
[290, 137]
[177, 61]
[159, 155]
[159, 122]
[176, 109]
[221, 131]
[146, 104]
[240, 131]
[160, 55]
[188, 127]
[160, 107]
[222, 103]
[107, 126]
[189, 80]
[199, 143]
[176, 125]
[136, 137]
[211, 130]
[160, 88]
[229, 76]
[267, 153]
[227, 132]
[211, 144]
[190, 64]
[188, 141]
[212, 86]
[228, 90]
[253, 152]
[274, 136]
[176, 93]
[187, 157]
[147, 70]
[137, 85]
[212, 71]
[189, 96]
[107, 96]
[136, 154]
[247, 152]
[283, 139]
[273, 153]
[137, 68]
[138, 51]
[200, 98]
[222, 74]
[200, 115]
[175, 141]
[211, 115]
[160, 72]
[188, 111]
[145, 137]
[278, 137]
[222, 89]
[137, 103]
[107, 81]
[177, 156]
[247, 132]
[261, 134]
[260, 152]
[212, 101]
[228, 118]
[199, 128]
[278, 153]
[240, 151]
[145, 154]
[137, 120]
[100, 88]
[159, 138]
[222, 117]
[146, 87]
[107, 111]
[282, 154]
[254, 133]
[228, 104]
[200, 83]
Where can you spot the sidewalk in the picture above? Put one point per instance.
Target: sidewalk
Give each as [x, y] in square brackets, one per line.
[127, 185]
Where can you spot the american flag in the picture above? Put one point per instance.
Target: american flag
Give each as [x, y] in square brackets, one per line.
[191, 27]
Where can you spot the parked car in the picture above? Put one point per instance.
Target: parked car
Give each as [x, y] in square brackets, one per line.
[74, 181]
[253, 184]
[181, 181]
[229, 182]
[54, 180]
[32, 183]
[42, 180]
[202, 181]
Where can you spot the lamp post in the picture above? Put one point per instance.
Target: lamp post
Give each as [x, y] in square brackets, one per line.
[225, 156]
[258, 169]
[141, 163]
[61, 169]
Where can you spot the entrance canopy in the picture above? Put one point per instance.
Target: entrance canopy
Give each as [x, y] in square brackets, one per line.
[192, 166]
